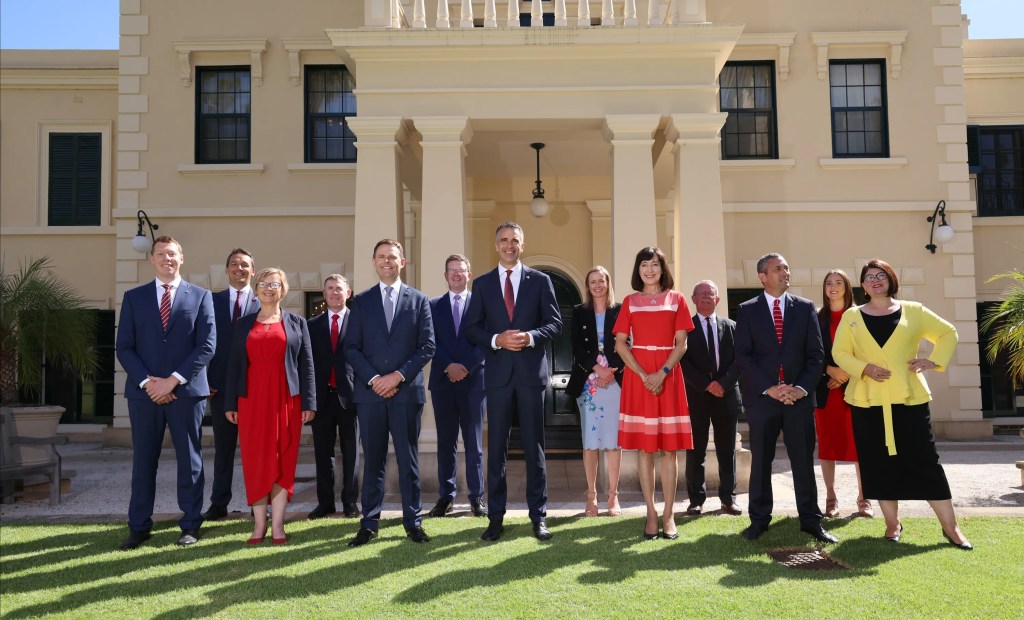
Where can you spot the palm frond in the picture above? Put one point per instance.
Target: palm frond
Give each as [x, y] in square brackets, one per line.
[1004, 325]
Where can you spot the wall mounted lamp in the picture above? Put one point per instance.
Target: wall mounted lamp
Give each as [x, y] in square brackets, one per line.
[538, 206]
[944, 232]
[141, 243]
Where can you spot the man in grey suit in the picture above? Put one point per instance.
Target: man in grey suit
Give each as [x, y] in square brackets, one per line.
[712, 388]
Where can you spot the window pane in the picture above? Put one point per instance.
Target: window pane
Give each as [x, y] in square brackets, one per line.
[315, 80]
[227, 128]
[763, 144]
[730, 123]
[226, 103]
[243, 82]
[874, 142]
[731, 145]
[316, 103]
[761, 123]
[855, 97]
[873, 96]
[334, 149]
[855, 120]
[747, 145]
[762, 75]
[856, 143]
[839, 121]
[838, 97]
[349, 103]
[746, 98]
[842, 146]
[244, 103]
[334, 103]
[837, 75]
[745, 76]
[728, 98]
[728, 77]
[855, 75]
[873, 121]
[762, 98]
[873, 74]
[746, 123]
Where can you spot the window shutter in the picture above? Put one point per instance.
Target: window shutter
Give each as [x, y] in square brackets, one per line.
[973, 154]
[75, 179]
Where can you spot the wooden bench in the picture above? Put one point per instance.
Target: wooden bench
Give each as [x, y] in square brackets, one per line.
[11, 469]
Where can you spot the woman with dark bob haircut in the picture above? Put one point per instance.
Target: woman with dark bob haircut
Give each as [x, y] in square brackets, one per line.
[654, 416]
[877, 345]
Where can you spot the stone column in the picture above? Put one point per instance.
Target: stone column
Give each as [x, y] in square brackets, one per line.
[601, 234]
[378, 189]
[633, 219]
[699, 223]
[442, 223]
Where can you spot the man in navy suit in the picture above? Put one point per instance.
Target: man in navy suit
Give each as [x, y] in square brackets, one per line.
[512, 315]
[165, 338]
[780, 355]
[229, 305]
[457, 391]
[390, 339]
[713, 392]
[336, 414]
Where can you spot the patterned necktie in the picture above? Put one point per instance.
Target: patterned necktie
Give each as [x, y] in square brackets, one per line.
[389, 306]
[238, 307]
[510, 296]
[457, 313]
[777, 315]
[165, 306]
[334, 343]
[712, 353]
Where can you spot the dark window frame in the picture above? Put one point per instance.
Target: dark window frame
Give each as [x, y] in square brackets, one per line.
[310, 119]
[201, 116]
[79, 173]
[773, 129]
[1000, 188]
[882, 109]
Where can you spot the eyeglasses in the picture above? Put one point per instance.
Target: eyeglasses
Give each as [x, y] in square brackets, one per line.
[271, 285]
[876, 277]
[458, 271]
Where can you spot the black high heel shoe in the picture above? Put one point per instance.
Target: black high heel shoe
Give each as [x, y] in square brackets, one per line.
[653, 536]
[965, 545]
[899, 532]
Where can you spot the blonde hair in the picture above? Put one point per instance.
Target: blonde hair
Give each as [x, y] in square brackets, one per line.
[589, 299]
[269, 271]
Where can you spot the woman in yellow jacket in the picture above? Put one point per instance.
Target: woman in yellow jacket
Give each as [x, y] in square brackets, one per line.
[877, 345]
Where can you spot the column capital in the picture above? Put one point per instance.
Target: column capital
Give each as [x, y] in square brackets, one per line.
[599, 208]
[695, 127]
[386, 130]
[631, 126]
[479, 209]
[441, 129]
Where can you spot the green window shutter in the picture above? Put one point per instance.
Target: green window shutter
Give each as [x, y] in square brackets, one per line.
[75, 179]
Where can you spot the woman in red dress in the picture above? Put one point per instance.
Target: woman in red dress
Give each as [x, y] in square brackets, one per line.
[270, 394]
[832, 420]
[654, 415]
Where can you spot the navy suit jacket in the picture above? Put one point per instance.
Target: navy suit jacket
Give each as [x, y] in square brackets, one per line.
[584, 346]
[454, 349]
[373, 350]
[218, 369]
[699, 368]
[144, 348]
[536, 312]
[325, 360]
[759, 353]
[298, 361]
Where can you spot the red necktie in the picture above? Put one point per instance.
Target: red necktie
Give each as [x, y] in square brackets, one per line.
[238, 307]
[165, 306]
[510, 296]
[334, 343]
[777, 315]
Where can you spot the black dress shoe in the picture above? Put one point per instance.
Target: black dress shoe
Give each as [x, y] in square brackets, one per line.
[351, 511]
[134, 540]
[753, 532]
[441, 508]
[417, 535]
[731, 509]
[188, 538]
[320, 512]
[965, 545]
[899, 532]
[693, 510]
[670, 536]
[820, 534]
[541, 531]
[362, 537]
[479, 507]
[493, 531]
[215, 513]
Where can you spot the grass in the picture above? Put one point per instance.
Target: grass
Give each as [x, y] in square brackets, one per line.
[593, 567]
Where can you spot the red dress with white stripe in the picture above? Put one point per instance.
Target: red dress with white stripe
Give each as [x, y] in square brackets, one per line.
[648, 422]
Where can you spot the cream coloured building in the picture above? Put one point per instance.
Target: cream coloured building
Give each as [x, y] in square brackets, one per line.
[305, 131]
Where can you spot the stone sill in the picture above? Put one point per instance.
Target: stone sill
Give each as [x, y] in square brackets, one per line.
[219, 169]
[331, 168]
[745, 165]
[862, 163]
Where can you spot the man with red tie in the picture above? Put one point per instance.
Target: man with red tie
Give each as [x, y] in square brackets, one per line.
[780, 355]
[336, 414]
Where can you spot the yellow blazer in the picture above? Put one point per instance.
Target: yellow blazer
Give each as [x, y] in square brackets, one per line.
[854, 348]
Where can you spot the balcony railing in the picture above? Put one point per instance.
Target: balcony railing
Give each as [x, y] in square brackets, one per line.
[514, 13]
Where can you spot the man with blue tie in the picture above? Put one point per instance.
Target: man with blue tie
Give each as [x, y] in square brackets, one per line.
[166, 336]
[229, 305]
[457, 392]
[390, 339]
[512, 314]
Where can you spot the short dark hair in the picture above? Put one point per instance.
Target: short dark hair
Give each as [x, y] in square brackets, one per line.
[338, 277]
[165, 239]
[513, 226]
[666, 281]
[762, 263]
[397, 244]
[460, 257]
[890, 273]
[242, 251]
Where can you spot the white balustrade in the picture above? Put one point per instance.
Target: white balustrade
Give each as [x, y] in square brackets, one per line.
[659, 12]
[512, 19]
[583, 14]
[419, 14]
[607, 13]
[442, 22]
[466, 18]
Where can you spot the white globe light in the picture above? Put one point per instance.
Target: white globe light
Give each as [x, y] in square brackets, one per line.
[539, 207]
[141, 244]
[944, 234]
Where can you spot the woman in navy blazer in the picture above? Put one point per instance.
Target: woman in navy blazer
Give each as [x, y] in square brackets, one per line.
[270, 393]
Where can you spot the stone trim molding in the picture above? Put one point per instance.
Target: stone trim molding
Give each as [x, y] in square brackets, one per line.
[219, 169]
[862, 163]
[780, 41]
[756, 165]
[254, 47]
[295, 47]
[893, 38]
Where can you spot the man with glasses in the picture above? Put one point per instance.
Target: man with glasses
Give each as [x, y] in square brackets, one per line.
[457, 392]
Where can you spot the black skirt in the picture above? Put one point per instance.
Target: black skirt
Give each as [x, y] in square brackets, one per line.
[914, 472]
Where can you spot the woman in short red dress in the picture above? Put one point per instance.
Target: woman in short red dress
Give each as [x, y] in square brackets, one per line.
[832, 420]
[654, 416]
[270, 394]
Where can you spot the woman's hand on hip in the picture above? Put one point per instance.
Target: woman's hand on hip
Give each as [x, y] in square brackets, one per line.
[877, 372]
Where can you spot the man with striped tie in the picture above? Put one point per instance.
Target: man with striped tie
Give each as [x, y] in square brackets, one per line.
[166, 336]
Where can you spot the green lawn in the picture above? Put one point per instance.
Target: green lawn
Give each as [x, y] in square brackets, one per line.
[593, 568]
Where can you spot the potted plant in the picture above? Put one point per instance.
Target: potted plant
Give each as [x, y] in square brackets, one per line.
[43, 323]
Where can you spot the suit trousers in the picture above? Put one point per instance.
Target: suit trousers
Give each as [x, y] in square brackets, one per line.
[707, 411]
[331, 422]
[796, 422]
[402, 422]
[458, 408]
[225, 444]
[502, 405]
[183, 417]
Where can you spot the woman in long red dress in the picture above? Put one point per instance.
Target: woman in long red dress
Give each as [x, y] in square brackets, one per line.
[832, 420]
[654, 414]
[270, 394]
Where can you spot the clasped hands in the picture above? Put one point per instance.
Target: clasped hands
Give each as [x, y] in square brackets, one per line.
[654, 382]
[456, 372]
[161, 389]
[513, 340]
[836, 376]
[386, 386]
[785, 394]
[605, 375]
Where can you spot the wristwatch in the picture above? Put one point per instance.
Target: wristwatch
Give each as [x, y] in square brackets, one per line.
[665, 370]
